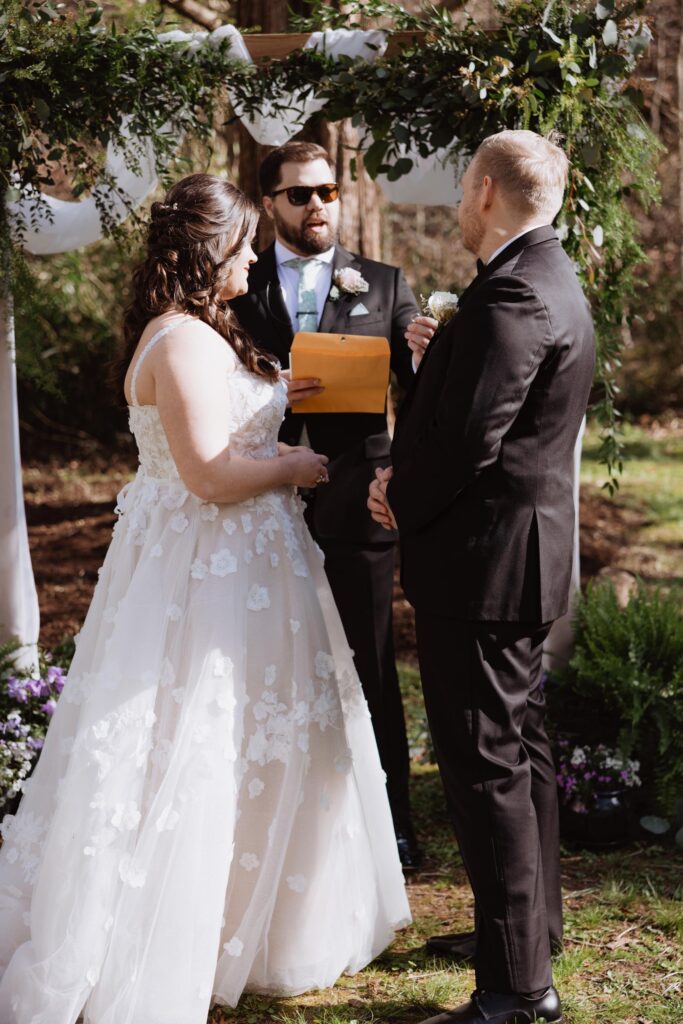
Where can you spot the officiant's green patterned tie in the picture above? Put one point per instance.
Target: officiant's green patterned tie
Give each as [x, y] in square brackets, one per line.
[307, 311]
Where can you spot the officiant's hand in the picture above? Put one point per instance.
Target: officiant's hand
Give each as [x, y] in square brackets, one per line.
[418, 334]
[377, 499]
[297, 390]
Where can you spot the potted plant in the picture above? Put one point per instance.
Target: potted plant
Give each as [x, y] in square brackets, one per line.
[595, 786]
[26, 707]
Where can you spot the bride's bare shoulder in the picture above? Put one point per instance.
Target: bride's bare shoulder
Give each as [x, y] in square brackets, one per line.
[189, 339]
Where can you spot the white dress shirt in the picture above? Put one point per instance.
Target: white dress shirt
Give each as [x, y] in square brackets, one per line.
[289, 280]
[511, 240]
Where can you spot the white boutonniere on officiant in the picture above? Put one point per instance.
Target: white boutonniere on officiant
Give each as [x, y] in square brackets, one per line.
[440, 305]
[347, 281]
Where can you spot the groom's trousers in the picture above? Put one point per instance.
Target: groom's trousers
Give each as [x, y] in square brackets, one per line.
[485, 705]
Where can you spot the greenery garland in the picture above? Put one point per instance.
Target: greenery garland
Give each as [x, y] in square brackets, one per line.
[68, 82]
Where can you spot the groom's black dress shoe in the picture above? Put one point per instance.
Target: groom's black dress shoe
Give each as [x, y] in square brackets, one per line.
[504, 1008]
[409, 852]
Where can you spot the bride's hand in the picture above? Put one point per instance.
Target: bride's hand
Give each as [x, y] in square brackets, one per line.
[307, 468]
[297, 390]
[287, 449]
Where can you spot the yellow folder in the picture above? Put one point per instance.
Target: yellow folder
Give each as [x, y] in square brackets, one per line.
[353, 368]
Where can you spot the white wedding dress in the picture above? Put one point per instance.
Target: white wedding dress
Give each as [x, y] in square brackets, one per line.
[209, 814]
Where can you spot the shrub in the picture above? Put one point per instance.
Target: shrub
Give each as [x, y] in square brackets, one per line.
[624, 684]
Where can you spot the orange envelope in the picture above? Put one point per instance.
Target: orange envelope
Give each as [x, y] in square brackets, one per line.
[353, 368]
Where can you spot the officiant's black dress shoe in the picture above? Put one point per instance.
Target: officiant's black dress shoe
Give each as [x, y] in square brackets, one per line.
[504, 1008]
[409, 852]
[458, 946]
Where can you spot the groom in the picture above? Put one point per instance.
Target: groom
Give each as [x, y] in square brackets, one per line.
[307, 281]
[481, 490]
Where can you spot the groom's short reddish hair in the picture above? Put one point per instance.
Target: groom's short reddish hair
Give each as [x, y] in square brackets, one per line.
[531, 170]
[290, 153]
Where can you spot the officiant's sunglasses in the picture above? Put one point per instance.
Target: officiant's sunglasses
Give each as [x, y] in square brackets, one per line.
[300, 195]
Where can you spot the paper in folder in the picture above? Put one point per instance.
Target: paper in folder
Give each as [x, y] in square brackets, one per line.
[353, 368]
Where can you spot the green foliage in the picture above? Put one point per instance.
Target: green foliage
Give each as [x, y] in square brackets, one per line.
[71, 86]
[626, 678]
[68, 82]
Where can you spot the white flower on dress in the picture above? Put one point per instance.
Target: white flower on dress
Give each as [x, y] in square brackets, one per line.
[302, 742]
[234, 947]
[258, 598]
[199, 570]
[297, 883]
[101, 729]
[174, 612]
[270, 675]
[260, 542]
[126, 817]
[131, 873]
[208, 513]
[248, 555]
[343, 763]
[249, 861]
[222, 666]
[223, 562]
[229, 525]
[294, 625]
[179, 522]
[324, 665]
[255, 788]
[157, 551]
[178, 694]
[247, 523]
[274, 559]
[174, 499]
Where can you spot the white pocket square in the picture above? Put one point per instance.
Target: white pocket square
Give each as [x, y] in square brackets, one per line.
[359, 310]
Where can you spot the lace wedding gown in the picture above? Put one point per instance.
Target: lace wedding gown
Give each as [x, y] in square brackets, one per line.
[208, 814]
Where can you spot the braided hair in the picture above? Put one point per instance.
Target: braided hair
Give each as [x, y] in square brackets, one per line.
[194, 238]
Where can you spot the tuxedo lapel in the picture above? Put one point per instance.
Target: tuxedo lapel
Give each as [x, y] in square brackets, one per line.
[266, 286]
[335, 309]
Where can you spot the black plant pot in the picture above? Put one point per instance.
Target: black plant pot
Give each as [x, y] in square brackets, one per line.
[607, 823]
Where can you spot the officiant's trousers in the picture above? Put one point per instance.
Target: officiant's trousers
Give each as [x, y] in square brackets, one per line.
[485, 704]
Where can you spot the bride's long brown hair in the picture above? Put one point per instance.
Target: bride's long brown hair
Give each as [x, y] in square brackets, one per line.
[194, 238]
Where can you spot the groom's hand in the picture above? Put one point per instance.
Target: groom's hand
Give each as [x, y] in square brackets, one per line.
[377, 499]
[419, 333]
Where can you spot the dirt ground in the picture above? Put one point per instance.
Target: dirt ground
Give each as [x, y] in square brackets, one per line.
[70, 512]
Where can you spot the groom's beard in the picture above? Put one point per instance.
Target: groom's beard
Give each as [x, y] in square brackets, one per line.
[302, 238]
[472, 229]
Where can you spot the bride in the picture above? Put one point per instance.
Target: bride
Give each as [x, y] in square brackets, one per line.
[208, 815]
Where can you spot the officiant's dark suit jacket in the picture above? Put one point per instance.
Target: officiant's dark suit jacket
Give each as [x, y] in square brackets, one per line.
[359, 554]
[484, 443]
[355, 443]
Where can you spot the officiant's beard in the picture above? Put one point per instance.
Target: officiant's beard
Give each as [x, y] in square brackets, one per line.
[308, 243]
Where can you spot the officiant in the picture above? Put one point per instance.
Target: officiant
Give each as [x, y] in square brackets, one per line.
[306, 281]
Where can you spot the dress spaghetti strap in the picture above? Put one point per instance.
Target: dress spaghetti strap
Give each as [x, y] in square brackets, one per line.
[148, 348]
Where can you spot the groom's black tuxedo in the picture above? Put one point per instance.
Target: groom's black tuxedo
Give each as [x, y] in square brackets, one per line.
[359, 554]
[482, 493]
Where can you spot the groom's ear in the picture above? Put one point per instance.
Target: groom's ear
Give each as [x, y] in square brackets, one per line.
[267, 204]
[487, 190]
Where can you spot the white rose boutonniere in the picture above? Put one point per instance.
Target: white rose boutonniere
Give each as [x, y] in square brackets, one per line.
[348, 281]
[440, 305]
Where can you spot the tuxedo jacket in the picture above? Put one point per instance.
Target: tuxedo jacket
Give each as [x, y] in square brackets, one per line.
[355, 443]
[484, 442]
